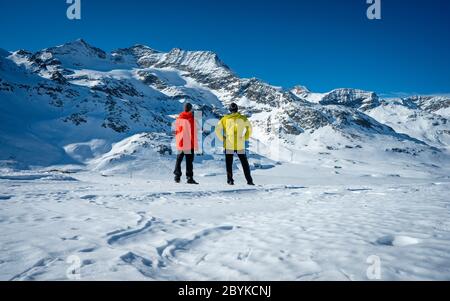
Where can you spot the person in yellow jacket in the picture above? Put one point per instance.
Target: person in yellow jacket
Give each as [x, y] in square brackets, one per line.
[234, 130]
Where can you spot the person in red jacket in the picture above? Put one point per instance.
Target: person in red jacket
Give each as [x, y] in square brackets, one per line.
[187, 143]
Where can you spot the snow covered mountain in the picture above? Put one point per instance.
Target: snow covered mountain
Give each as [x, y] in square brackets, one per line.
[425, 118]
[72, 103]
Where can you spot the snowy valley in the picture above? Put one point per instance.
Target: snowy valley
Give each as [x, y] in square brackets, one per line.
[86, 162]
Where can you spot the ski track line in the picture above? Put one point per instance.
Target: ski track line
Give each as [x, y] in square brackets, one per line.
[37, 269]
[167, 252]
[121, 235]
[141, 264]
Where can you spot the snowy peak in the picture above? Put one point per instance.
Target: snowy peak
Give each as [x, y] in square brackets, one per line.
[200, 61]
[432, 104]
[301, 91]
[79, 48]
[353, 98]
[137, 50]
[192, 61]
[140, 55]
[75, 55]
[304, 93]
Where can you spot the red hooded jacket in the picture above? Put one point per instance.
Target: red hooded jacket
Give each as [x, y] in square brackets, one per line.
[186, 132]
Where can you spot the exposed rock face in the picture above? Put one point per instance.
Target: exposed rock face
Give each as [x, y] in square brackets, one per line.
[78, 48]
[301, 92]
[117, 88]
[139, 55]
[352, 98]
[193, 61]
[429, 103]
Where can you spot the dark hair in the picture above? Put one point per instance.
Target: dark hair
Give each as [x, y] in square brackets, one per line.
[187, 107]
[233, 108]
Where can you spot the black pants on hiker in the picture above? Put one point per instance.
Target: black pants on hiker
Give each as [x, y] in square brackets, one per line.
[189, 164]
[245, 166]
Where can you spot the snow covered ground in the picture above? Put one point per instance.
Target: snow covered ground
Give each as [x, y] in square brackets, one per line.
[306, 221]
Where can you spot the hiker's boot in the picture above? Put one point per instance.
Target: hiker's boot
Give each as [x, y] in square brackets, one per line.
[191, 181]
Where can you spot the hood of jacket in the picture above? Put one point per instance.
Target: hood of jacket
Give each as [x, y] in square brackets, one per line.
[186, 115]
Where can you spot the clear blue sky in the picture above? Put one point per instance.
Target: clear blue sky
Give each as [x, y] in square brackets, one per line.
[322, 44]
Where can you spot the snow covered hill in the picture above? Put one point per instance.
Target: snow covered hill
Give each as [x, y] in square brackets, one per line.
[427, 121]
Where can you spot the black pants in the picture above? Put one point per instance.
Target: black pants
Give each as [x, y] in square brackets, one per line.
[245, 166]
[189, 164]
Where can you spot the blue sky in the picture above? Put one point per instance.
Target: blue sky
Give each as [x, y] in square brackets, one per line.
[322, 44]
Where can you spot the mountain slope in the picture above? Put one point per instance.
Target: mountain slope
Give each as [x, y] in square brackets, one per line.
[420, 121]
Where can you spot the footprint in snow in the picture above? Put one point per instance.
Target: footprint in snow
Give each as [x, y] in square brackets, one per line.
[182, 222]
[397, 241]
[87, 250]
[358, 190]
[70, 238]
[87, 262]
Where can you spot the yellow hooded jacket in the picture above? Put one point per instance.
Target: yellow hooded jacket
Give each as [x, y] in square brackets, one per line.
[234, 130]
